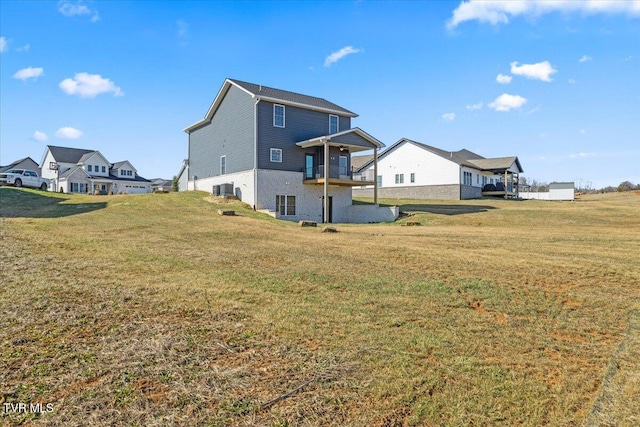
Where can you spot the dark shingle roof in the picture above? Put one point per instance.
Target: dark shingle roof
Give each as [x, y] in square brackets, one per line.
[286, 96]
[497, 163]
[68, 155]
[69, 171]
[462, 157]
[358, 161]
[13, 164]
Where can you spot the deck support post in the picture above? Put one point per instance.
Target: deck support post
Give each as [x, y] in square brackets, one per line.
[375, 176]
[325, 199]
[506, 184]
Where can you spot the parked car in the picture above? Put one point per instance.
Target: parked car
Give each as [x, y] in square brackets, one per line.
[23, 178]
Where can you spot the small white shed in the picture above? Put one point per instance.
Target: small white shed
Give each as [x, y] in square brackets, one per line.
[562, 191]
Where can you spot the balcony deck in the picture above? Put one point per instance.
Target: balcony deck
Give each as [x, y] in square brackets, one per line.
[345, 181]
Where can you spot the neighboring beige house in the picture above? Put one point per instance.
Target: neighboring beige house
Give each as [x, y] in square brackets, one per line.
[74, 170]
[410, 169]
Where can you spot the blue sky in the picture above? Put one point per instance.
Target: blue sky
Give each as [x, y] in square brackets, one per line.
[555, 83]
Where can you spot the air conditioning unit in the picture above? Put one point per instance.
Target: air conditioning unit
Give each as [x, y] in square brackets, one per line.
[226, 190]
[216, 190]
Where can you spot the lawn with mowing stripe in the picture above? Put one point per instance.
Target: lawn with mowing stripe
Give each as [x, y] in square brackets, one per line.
[153, 309]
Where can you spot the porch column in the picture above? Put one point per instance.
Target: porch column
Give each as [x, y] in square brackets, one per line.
[375, 176]
[506, 185]
[325, 204]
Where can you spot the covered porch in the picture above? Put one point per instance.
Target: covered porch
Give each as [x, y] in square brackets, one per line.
[329, 165]
[508, 170]
[98, 186]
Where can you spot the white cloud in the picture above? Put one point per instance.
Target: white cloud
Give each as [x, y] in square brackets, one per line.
[183, 28]
[338, 55]
[502, 79]
[473, 107]
[582, 131]
[28, 73]
[540, 71]
[572, 81]
[535, 109]
[87, 85]
[40, 136]
[24, 48]
[585, 58]
[448, 117]
[68, 133]
[71, 9]
[497, 12]
[506, 102]
[3, 44]
[581, 155]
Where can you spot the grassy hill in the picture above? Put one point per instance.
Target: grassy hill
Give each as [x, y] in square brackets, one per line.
[153, 310]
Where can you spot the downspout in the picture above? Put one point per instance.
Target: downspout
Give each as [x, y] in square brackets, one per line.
[255, 154]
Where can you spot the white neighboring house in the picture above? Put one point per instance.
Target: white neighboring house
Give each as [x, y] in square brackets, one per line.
[410, 169]
[74, 170]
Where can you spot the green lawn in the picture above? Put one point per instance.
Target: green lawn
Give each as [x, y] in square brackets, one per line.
[154, 310]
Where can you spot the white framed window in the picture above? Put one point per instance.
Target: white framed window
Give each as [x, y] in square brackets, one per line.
[104, 169]
[286, 205]
[399, 178]
[276, 155]
[413, 177]
[379, 180]
[89, 168]
[223, 165]
[278, 115]
[334, 124]
[467, 178]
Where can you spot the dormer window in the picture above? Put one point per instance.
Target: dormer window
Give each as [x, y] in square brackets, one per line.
[334, 127]
[278, 115]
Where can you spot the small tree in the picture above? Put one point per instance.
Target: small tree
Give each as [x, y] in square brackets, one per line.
[174, 184]
[626, 186]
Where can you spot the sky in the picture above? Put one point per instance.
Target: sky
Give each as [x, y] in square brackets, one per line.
[556, 83]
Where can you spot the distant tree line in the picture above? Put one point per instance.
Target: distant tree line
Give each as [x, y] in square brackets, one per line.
[581, 186]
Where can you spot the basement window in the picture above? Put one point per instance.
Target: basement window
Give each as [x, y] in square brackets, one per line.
[286, 205]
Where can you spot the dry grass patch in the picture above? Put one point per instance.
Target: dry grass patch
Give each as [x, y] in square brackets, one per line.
[156, 310]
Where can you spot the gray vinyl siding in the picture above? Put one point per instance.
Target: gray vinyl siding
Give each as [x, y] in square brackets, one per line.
[300, 124]
[230, 134]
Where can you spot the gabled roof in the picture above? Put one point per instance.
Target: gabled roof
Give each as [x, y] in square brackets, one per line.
[497, 163]
[72, 170]
[266, 93]
[358, 161]
[118, 165]
[13, 164]
[66, 154]
[342, 139]
[87, 156]
[284, 96]
[462, 157]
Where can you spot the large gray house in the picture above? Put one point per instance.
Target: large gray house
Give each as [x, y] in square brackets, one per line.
[281, 152]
